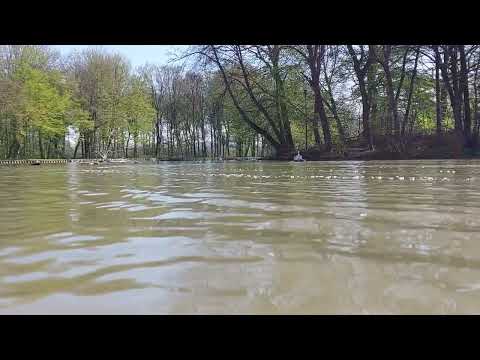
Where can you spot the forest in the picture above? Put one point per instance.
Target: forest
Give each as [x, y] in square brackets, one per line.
[230, 101]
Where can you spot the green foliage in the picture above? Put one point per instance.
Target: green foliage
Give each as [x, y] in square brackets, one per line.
[136, 107]
[44, 107]
[169, 110]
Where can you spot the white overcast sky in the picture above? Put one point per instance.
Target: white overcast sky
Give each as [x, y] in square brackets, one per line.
[137, 54]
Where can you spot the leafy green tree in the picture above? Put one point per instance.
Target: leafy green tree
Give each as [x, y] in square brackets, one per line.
[137, 110]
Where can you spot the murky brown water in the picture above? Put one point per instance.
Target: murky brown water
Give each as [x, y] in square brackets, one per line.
[330, 237]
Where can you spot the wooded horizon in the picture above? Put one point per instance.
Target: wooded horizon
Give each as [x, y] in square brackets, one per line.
[240, 100]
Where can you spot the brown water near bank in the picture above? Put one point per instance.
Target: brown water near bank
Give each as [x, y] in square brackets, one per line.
[260, 237]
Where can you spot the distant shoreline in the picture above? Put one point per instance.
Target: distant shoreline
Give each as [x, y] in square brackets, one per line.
[28, 162]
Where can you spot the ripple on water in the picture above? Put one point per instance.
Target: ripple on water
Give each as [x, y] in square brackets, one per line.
[391, 237]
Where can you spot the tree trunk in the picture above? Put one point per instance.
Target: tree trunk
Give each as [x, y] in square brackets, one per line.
[467, 120]
[360, 73]
[391, 118]
[450, 84]
[333, 108]
[319, 110]
[126, 146]
[242, 112]
[135, 139]
[476, 110]
[410, 91]
[159, 138]
[40, 145]
[283, 146]
[314, 60]
[438, 95]
[76, 148]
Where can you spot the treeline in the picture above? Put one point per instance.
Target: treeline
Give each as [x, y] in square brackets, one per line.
[93, 104]
[234, 100]
[372, 91]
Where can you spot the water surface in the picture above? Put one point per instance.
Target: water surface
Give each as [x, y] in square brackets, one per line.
[377, 237]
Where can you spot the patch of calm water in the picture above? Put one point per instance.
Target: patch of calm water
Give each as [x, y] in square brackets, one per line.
[237, 237]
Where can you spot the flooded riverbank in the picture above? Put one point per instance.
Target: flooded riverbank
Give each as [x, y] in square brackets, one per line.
[241, 237]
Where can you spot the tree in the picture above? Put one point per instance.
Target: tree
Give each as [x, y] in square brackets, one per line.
[137, 110]
[362, 66]
[230, 62]
[241, 100]
[313, 55]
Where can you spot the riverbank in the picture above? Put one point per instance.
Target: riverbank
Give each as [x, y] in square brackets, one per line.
[20, 162]
[424, 147]
[371, 156]
[420, 147]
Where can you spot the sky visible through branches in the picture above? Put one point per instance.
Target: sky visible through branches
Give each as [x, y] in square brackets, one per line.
[137, 54]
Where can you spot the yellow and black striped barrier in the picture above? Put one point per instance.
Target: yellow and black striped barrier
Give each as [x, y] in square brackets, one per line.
[32, 162]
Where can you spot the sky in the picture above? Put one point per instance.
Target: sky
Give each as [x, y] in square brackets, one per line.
[137, 54]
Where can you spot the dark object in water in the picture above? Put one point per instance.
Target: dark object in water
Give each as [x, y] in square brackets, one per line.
[298, 157]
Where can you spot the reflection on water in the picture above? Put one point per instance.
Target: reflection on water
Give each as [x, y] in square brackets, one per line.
[233, 237]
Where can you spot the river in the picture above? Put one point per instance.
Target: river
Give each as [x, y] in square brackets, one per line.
[378, 237]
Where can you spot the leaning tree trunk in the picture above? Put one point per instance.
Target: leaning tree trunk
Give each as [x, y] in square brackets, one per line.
[76, 148]
[319, 110]
[282, 147]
